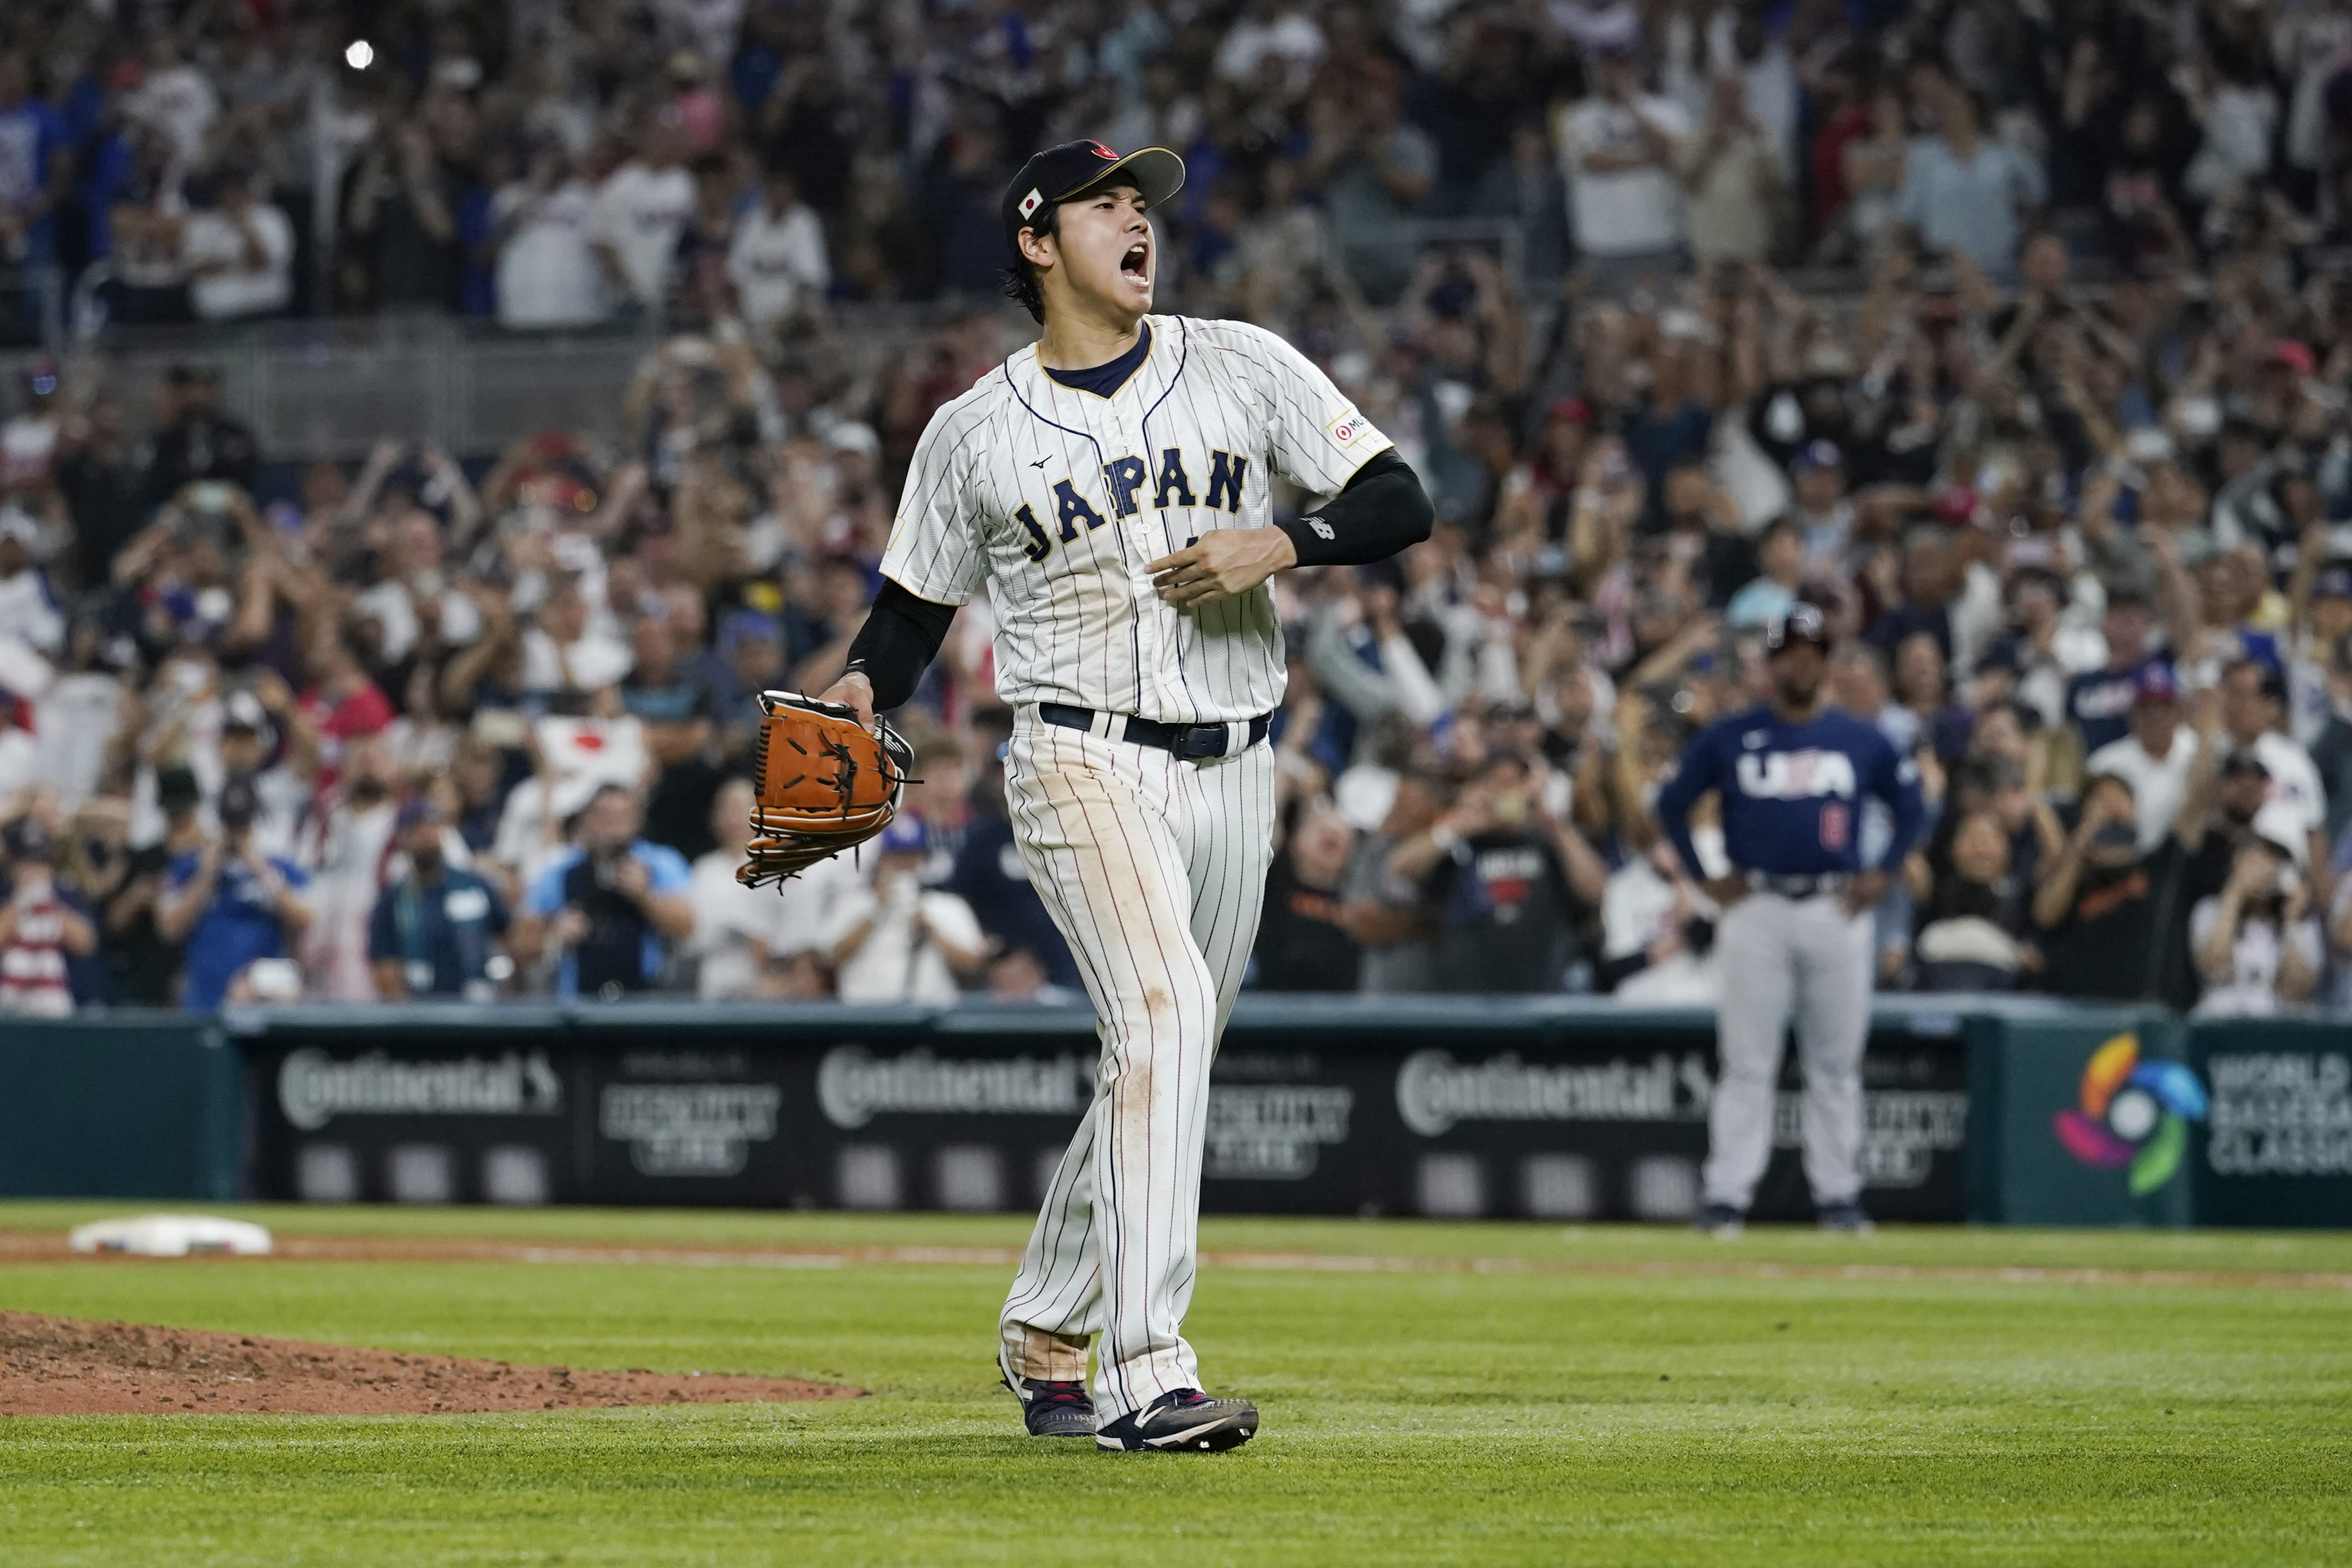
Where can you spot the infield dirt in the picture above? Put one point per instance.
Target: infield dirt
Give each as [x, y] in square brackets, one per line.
[66, 1366]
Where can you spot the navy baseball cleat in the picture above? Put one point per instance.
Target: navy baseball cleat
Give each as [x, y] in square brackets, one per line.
[1846, 1218]
[1720, 1221]
[1051, 1409]
[1186, 1421]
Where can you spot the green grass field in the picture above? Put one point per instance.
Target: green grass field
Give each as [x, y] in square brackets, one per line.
[1654, 1408]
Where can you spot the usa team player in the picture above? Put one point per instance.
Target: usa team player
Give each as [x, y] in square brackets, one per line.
[1110, 490]
[1794, 942]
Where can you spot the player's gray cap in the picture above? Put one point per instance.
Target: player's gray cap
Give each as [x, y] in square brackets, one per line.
[1072, 170]
[1803, 623]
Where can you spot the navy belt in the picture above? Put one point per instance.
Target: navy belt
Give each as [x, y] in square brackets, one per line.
[1797, 887]
[1194, 743]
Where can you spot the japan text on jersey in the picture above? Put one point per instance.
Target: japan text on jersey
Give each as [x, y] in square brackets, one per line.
[1059, 498]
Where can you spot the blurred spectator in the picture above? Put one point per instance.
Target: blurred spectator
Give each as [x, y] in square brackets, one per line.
[195, 441]
[1965, 193]
[435, 931]
[641, 209]
[228, 906]
[1619, 148]
[777, 261]
[1973, 931]
[610, 906]
[735, 927]
[2256, 941]
[545, 227]
[36, 164]
[1384, 910]
[894, 941]
[1303, 943]
[39, 930]
[2154, 757]
[240, 254]
[1511, 884]
[1731, 169]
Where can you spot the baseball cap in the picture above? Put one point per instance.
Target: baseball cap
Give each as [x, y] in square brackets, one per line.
[238, 805]
[2333, 582]
[1803, 623]
[2155, 684]
[177, 790]
[1575, 410]
[1818, 454]
[905, 836]
[2243, 762]
[2294, 354]
[1074, 169]
[415, 809]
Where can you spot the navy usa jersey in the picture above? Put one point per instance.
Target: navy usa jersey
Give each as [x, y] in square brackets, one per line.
[1792, 792]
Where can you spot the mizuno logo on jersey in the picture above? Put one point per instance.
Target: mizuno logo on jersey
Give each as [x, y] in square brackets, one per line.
[1796, 775]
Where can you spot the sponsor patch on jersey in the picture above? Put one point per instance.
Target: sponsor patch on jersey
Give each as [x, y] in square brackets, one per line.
[1350, 428]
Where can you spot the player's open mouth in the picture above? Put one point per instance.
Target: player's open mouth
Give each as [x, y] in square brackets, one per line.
[1137, 262]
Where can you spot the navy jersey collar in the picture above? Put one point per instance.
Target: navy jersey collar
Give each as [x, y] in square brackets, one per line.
[1105, 379]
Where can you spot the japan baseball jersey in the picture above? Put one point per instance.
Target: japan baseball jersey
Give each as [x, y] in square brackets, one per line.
[1057, 498]
[1153, 867]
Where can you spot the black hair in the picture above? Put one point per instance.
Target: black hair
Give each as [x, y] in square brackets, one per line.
[1021, 277]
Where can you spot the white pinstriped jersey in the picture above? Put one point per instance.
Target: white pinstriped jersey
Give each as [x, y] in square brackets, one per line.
[1058, 499]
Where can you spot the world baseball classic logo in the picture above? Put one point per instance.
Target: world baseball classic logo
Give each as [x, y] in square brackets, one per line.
[2132, 1114]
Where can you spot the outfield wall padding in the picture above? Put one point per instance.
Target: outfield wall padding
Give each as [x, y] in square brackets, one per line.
[132, 1104]
[1996, 1109]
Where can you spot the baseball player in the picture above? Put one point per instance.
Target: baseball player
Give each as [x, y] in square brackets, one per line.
[1794, 939]
[1111, 487]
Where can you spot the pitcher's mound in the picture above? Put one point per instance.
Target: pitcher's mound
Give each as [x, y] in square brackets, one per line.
[66, 1367]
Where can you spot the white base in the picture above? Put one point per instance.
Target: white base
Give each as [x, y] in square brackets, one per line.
[172, 1236]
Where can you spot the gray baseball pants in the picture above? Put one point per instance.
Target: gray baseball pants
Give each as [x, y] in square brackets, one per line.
[1805, 961]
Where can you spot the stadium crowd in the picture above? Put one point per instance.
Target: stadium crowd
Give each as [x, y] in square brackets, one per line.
[2067, 458]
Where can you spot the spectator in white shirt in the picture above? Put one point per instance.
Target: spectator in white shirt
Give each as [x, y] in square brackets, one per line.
[2253, 702]
[562, 654]
[735, 927]
[2256, 943]
[547, 273]
[1619, 145]
[894, 941]
[641, 209]
[777, 261]
[174, 98]
[2155, 758]
[239, 254]
[29, 605]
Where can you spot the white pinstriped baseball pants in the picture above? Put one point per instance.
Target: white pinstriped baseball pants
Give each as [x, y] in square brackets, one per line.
[1154, 869]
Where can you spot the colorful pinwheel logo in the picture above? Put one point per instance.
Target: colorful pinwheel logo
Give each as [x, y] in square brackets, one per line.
[2132, 1113]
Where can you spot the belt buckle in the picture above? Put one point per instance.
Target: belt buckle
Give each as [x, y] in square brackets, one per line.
[1202, 740]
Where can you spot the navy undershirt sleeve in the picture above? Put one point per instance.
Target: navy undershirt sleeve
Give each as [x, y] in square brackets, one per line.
[1381, 509]
[901, 635]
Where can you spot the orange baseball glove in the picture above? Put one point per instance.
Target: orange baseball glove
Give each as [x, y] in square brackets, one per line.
[827, 785]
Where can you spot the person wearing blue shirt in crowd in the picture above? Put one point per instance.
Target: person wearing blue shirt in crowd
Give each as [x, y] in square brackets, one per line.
[611, 904]
[229, 904]
[2099, 701]
[1795, 941]
[434, 933]
[35, 164]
